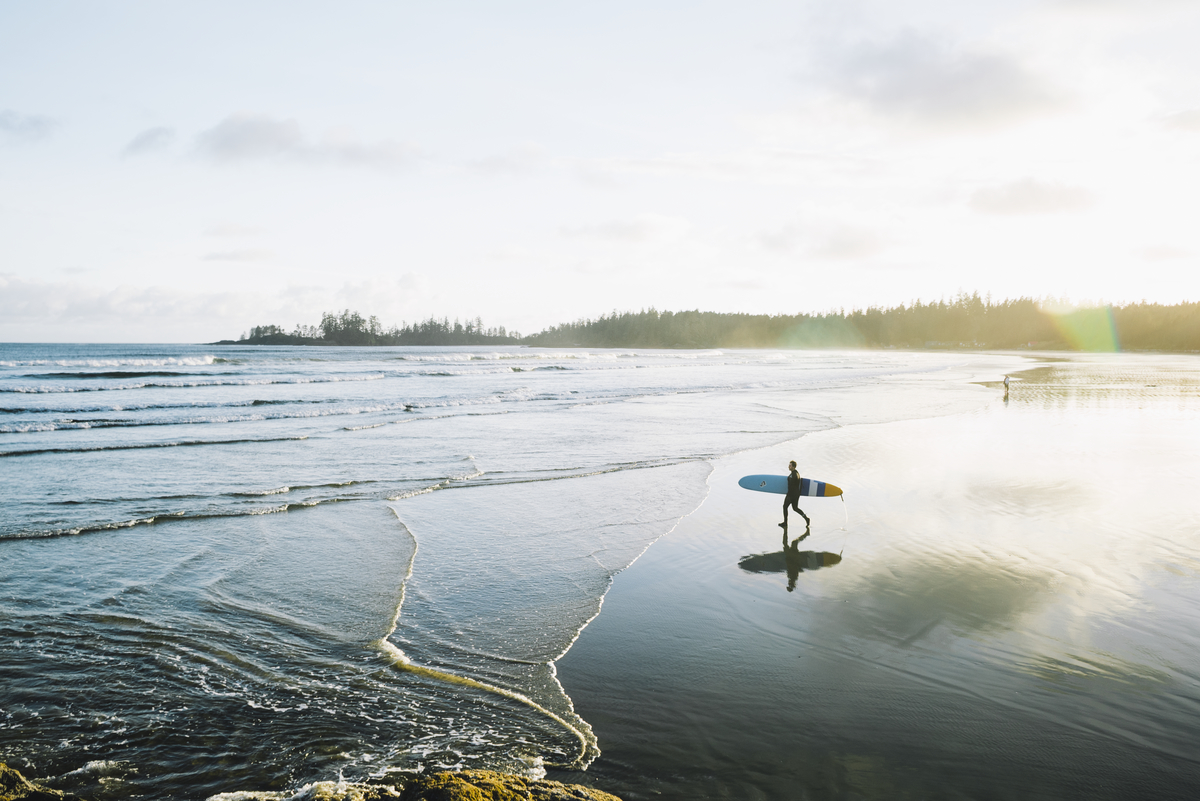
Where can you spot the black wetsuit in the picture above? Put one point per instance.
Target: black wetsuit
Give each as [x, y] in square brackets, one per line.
[793, 497]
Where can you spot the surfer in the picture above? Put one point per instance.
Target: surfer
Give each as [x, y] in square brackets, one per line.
[1005, 386]
[793, 497]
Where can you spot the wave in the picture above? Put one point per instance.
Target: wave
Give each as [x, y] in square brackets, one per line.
[120, 374]
[259, 493]
[71, 424]
[580, 355]
[141, 407]
[162, 517]
[175, 516]
[588, 749]
[246, 382]
[145, 445]
[493, 371]
[187, 361]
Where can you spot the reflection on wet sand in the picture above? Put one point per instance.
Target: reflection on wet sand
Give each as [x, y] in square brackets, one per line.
[911, 598]
[791, 560]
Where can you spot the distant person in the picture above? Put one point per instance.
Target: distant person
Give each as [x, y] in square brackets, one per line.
[793, 498]
[1006, 386]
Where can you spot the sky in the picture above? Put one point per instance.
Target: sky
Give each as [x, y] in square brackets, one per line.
[180, 172]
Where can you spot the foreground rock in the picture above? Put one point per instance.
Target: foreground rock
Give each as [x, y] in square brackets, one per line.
[15, 787]
[486, 785]
[469, 785]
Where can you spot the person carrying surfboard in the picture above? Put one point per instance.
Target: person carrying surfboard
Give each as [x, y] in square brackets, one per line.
[793, 497]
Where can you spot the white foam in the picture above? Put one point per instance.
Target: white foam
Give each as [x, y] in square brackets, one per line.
[184, 361]
[587, 740]
[341, 790]
[103, 767]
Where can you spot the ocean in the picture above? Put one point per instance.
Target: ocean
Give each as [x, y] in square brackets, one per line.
[228, 570]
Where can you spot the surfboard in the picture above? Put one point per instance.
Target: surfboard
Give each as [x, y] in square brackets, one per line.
[778, 484]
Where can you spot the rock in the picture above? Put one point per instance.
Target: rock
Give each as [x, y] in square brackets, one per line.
[15, 787]
[487, 785]
[318, 791]
[469, 785]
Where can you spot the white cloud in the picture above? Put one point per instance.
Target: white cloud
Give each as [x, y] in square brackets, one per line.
[758, 164]
[1028, 196]
[517, 161]
[845, 243]
[780, 240]
[834, 242]
[52, 311]
[1184, 120]
[249, 137]
[645, 228]
[150, 140]
[231, 229]
[16, 127]
[1164, 253]
[919, 79]
[46, 311]
[237, 255]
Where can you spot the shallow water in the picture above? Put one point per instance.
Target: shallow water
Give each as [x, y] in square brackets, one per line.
[1010, 609]
[252, 568]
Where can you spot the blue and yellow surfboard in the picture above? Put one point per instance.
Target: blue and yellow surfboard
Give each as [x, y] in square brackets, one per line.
[778, 484]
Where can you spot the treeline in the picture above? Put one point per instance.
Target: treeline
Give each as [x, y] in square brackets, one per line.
[351, 328]
[967, 321]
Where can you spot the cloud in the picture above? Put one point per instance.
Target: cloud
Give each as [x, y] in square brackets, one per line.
[16, 127]
[518, 161]
[150, 140]
[231, 229]
[921, 80]
[1164, 253]
[646, 228]
[251, 137]
[48, 311]
[1028, 196]
[767, 165]
[237, 255]
[57, 311]
[847, 243]
[780, 240]
[1184, 121]
[833, 242]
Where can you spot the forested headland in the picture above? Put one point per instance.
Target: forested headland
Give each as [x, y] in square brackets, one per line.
[351, 328]
[967, 321]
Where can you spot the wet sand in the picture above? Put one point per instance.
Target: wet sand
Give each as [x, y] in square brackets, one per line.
[1015, 612]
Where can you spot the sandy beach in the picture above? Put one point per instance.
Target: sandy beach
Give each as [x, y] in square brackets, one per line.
[1011, 616]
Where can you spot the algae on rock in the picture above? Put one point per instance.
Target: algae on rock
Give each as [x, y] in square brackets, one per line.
[15, 787]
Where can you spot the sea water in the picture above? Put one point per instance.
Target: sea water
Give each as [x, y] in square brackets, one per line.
[246, 568]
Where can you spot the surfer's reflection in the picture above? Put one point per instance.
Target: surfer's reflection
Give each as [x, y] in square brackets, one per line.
[791, 560]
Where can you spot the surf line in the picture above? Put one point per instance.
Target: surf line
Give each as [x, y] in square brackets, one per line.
[404, 663]
[401, 661]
